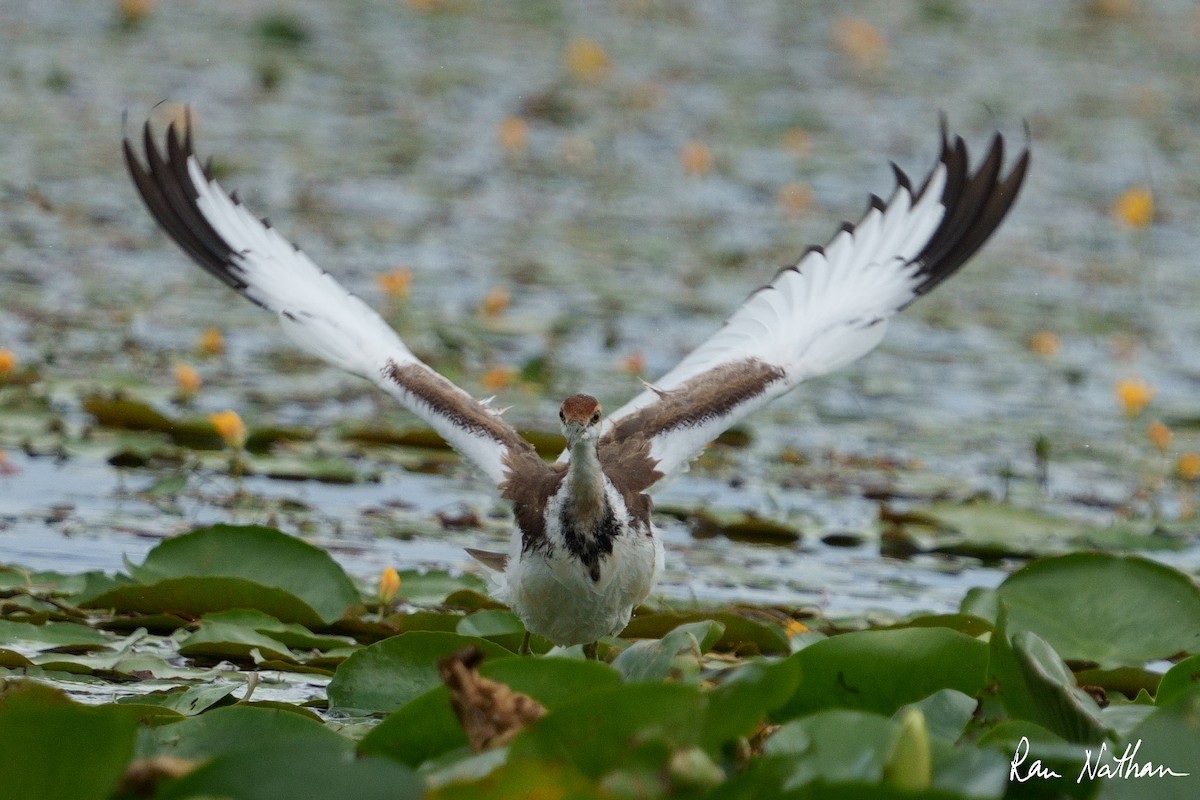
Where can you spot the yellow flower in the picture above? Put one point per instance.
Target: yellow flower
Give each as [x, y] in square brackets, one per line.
[133, 12]
[1160, 436]
[230, 428]
[8, 361]
[695, 157]
[1134, 395]
[794, 198]
[187, 380]
[395, 284]
[497, 378]
[1188, 466]
[796, 141]
[793, 627]
[634, 363]
[586, 60]
[514, 135]
[861, 42]
[1134, 208]
[211, 343]
[1043, 343]
[495, 302]
[389, 585]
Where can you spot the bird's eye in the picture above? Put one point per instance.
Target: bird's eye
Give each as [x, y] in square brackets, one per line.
[562, 415]
[595, 417]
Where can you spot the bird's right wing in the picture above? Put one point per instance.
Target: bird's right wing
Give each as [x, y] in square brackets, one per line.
[246, 253]
[829, 309]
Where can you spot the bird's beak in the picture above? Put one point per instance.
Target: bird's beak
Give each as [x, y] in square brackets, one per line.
[575, 432]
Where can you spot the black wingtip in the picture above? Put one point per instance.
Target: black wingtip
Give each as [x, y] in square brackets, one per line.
[166, 186]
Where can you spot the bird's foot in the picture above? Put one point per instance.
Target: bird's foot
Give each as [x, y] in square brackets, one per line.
[524, 649]
[589, 651]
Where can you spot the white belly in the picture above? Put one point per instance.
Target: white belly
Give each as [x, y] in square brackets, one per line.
[555, 597]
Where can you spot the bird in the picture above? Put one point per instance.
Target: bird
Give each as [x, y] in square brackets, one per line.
[584, 551]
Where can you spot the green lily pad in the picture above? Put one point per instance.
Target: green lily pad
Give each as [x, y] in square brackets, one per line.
[1111, 609]
[595, 733]
[52, 634]
[310, 770]
[1167, 739]
[228, 566]
[193, 597]
[1180, 679]
[388, 674]
[233, 728]
[741, 634]
[745, 696]
[426, 727]
[654, 659]
[294, 636]
[43, 736]
[222, 640]
[187, 700]
[882, 670]
[1034, 684]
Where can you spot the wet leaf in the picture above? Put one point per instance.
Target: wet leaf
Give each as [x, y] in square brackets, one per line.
[1109, 609]
[388, 674]
[43, 736]
[882, 670]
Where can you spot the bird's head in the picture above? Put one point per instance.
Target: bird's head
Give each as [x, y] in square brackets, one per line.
[580, 417]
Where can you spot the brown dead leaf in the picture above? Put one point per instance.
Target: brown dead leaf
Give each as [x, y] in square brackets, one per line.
[490, 713]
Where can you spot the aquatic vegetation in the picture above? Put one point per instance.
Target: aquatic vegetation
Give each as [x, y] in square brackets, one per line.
[238, 651]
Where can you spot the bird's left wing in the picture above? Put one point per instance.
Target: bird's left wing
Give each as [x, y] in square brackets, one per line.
[247, 254]
[829, 309]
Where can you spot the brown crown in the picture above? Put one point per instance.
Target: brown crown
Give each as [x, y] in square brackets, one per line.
[580, 408]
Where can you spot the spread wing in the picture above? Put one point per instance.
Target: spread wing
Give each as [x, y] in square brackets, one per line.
[829, 309]
[224, 238]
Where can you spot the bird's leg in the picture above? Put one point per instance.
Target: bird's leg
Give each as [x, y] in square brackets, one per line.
[524, 649]
[589, 651]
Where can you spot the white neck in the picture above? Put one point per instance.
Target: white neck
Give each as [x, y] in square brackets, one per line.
[585, 479]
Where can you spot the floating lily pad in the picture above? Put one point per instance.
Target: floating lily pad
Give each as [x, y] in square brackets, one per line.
[310, 769]
[233, 728]
[387, 674]
[426, 726]
[882, 670]
[52, 634]
[654, 659]
[294, 636]
[227, 566]
[1034, 684]
[1180, 679]
[618, 719]
[1110, 609]
[740, 633]
[220, 640]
